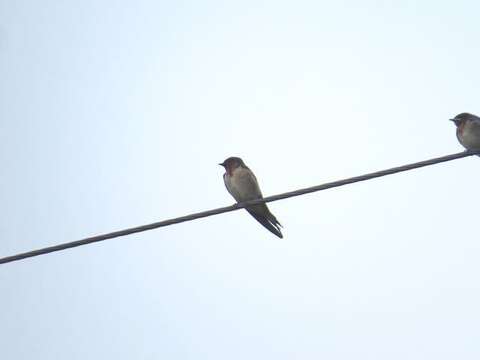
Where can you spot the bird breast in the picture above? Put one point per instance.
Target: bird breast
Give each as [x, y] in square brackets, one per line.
[470, 135]
[242, 185]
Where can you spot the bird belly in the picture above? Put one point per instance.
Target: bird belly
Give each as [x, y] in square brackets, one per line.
[470, 137]
[242, 186]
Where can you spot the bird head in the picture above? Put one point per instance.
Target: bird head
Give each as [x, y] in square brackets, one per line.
[232, 163]
[462, 118]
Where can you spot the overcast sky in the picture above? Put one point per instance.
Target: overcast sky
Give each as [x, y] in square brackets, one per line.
[116, 113]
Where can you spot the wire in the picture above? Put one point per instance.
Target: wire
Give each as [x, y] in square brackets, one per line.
[225, 209]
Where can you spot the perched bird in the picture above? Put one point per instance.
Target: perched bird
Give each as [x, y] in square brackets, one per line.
[242, 184]
[468, 130]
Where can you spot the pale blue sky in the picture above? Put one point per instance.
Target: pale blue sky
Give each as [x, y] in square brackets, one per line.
[116, 114]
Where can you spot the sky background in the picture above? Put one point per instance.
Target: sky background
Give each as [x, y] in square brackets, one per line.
[116, 113]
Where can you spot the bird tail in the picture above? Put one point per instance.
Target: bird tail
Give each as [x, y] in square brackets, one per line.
[266, 218]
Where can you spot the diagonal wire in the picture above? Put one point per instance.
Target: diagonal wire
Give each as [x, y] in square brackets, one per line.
[225, 209]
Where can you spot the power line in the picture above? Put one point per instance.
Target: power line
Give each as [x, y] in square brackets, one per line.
[225, 209]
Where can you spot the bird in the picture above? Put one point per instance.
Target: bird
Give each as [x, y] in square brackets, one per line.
[468, 130]
[242, 184]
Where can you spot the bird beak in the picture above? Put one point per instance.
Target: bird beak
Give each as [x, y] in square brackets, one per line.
[222, 164]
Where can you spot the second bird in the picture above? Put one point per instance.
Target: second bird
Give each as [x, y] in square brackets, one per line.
[242, 184]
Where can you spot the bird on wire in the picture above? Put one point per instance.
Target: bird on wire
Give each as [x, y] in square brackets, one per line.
[242, 184]
[468, 130]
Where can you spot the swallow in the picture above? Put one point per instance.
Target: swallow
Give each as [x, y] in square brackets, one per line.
[468, 130]
[242, 184]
